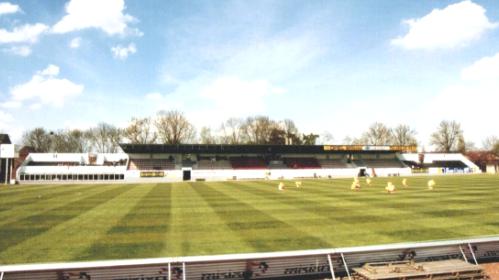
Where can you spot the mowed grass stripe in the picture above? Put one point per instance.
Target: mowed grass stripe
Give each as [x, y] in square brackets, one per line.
[390, 206]
[90, 220]
[28, 195]
[13, 191]
[140, 233]
[322, 202]
[277, 234]
[457, 218]
[196, 228]
[37, 202]
[322, 214]
[39, 222]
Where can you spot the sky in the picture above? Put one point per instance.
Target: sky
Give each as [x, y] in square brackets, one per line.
[335, 66]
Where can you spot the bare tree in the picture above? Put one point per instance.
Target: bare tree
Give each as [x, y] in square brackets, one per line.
[60, 143]
[257, 130]
[206, 136]
[447, 136]
[106, 138]
[277, 136]
[325, 138]
[489, 143]
[292, 133]
[377, 134]
[403, 135]
[495, 149]
[310, 139]
[71, 141]
[39, 139]
[174, 128]
[79, 140]
[231, 131]
[140, 131]
[464, 146]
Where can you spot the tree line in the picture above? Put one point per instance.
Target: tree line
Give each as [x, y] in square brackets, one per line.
[167, 127]
[173, 127]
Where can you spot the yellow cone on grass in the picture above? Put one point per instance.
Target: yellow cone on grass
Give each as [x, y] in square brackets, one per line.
[431, 184]
[390, 187]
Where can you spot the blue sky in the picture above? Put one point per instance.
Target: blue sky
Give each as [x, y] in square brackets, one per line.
[334, 66]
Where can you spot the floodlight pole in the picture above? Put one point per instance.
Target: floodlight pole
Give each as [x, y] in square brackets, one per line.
[6, 170]
[462, 252]
[472, 253]
[330, 266]
[346, 266]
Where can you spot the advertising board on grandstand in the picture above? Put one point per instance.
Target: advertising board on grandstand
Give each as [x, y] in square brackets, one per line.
[398, 148]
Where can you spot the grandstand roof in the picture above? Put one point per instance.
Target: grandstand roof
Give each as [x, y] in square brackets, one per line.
[258, 149]
[5, 139]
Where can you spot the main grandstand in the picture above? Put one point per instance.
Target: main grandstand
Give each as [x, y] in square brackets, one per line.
[158, 162]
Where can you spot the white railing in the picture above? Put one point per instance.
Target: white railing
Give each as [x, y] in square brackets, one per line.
[292, 264]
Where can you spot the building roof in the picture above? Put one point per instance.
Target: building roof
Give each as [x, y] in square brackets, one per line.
[5, 139]
[257, 149]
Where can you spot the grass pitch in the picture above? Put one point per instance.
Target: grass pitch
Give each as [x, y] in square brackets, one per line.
[46, 223]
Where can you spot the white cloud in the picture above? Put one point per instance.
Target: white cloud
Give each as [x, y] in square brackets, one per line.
[6, 121]
[51, 71]
[8, 8]
[122, 52]
[8, 125]
[6, 117]
[19, 50]
[11, 104]
[246, 79]
[275, 59]
[472, 100]
[75, 43]
[236, 97]
[169, 79]
[44, 88]
[105, 15]
[35, 106]
[454, 26]
[80, 125]
[28, 33]
[154, 96]
[484, 70]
